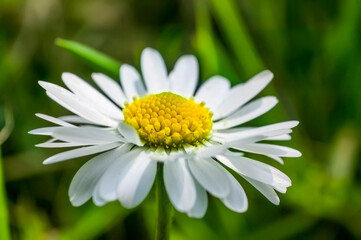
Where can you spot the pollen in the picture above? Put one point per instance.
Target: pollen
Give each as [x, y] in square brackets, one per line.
[169, 121]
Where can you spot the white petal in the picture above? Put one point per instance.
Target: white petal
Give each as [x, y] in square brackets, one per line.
[233, 154]
[110, 87]
[242, 93]
[154, 71]
[91, 96]
[257, 170]
[75, 119]
[234, 130]
[54, 120]
[109, 182]
[76, 105]
[265, 131]
[213, 91]
[267, 128]
[236, 200]
[266, 190]
[211, 176]
[130, 133]
[84, 181]
[284, 137]
[88, 135]
[161, 156]
[270, 149]
[60, 144]
[276, 158]
[137, 182]
[80, 152]
[183, 79]
[249, 112]
[44, 131]
[200, 206]
[210, 151]
[131, 82]
[97, 199]
[234, 141]
[179, 184]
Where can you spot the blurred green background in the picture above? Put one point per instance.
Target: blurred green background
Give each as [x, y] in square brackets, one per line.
[312, 47]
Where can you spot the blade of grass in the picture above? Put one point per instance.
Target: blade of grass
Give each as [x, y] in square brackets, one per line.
[203, 40]
[4, 218]
[4, 221]
[343, 33]
[214, 58]
[232, 25]
[226, 65]
[91, 56]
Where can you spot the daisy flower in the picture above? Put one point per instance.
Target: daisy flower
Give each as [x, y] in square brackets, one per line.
[160, 119]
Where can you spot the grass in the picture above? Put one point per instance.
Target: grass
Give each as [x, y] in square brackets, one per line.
[4, 220]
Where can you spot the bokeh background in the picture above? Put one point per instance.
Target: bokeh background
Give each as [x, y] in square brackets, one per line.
[312, 47]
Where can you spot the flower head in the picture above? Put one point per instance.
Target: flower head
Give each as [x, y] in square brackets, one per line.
[161, 119]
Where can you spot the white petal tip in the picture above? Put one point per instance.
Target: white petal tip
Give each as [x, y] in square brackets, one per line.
[195, 216]
[241, 210]
[128, 206]
[190, 57]
[75, 204]
[43, 84]
[295, 123]
[65, 75]
[274, 99]
[297, 154]
[285, 186]
[49, 161]
[99, 203]
[95, 75]
[148, 50]
[275, 201]
[36, 132]
[267, 73]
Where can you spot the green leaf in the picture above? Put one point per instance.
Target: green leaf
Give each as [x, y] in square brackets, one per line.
[4, 221]
[91, 56]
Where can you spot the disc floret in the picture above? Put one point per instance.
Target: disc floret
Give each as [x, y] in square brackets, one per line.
[168, 120]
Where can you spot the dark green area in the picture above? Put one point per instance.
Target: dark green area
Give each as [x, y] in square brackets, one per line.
[312, 47]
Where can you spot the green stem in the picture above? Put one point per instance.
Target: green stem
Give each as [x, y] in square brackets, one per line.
[4, 223]
[99, 60]
[165, 214]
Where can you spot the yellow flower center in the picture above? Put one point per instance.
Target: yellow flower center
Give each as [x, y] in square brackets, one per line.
[168, 120]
